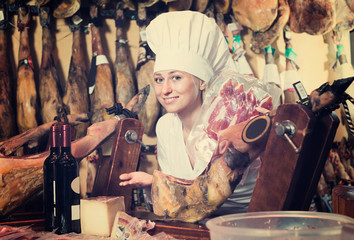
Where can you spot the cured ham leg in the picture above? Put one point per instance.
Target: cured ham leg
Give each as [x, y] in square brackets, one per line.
[192, 201]
[125, 82]
[10, 145]
[315, 17]
[144, 74]
[344, 16]
[226, 115]
[257, 15]
[76, 94]
[7, 113]
[21, 177]
[101, 88]
[260, 40]
[49, 92]
[26, 87]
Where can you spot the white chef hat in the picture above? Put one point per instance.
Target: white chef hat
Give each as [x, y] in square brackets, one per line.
[188, 41]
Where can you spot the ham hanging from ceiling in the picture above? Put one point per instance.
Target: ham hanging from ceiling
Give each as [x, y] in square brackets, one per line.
[26, 87]
[344, 16]
[49, 86]
[315, 17]
[7, 113]
[144, 74]
[258, 15]
[261, 40]
[76, 94]
[125, 82]
[100, 80]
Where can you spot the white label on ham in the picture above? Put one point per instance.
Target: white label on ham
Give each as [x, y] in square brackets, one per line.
[101, 59]
[143, 35]
[2, 16]
[77, 20]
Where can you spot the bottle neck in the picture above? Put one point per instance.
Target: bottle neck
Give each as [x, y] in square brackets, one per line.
[55, 136]
[54, 150]
[66, 136]
[65, 150]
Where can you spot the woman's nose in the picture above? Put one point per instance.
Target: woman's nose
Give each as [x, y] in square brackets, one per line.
[166, 87]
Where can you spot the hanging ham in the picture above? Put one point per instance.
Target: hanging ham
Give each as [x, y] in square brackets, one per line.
[151, 110]
[7, 113]
[76, 94]
[258, 15]
[100, 81]
[125, 82]
[314, 17]
[344, 16]
[26, 87]
[49, 87]
[260, 40]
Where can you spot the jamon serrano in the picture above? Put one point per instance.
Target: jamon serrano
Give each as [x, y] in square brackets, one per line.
[262, 39]
[26, 87]
[125, 82]
[344, 17]
[7, 113]
[315, 17]
[76, 93]
[49, 92]
[193, 200]
[100, 81]
[257, 15]
[144, 74]
[21, 177]
[9, 146]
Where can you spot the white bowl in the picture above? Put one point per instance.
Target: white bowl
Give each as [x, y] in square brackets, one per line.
[278, 225]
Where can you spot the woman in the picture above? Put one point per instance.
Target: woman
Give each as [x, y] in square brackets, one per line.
[190, 51]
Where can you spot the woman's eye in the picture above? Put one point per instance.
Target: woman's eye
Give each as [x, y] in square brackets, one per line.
[158, 80]
[176, 77]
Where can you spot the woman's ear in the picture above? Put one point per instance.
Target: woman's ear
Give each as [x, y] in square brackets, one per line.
[202, 85]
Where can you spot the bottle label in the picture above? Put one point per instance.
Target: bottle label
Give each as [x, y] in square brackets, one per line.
[54, 192]
[75, 185]
[75, 212]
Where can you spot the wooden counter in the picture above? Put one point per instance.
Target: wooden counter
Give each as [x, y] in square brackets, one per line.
[179, 230]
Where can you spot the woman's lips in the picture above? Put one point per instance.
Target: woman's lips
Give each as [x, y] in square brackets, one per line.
[170, 100]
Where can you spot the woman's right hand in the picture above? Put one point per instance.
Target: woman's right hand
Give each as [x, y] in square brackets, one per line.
[135, 179]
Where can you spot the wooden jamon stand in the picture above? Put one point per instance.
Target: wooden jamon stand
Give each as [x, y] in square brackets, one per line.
[294, 157]
[124, 159]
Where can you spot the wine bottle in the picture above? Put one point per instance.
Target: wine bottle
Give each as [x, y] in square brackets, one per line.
[49, 179]
[67, 187]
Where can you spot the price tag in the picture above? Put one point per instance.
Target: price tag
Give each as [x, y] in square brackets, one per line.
[77, 20]
[301, 92]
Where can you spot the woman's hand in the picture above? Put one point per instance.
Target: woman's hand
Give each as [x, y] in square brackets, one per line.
[136, 179]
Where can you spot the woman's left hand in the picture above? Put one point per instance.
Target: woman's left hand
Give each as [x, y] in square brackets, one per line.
[136, 179]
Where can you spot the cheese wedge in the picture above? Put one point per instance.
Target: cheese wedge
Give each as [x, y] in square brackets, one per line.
[98, 213]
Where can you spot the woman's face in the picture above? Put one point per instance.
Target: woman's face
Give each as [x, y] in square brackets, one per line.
[177, 91]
